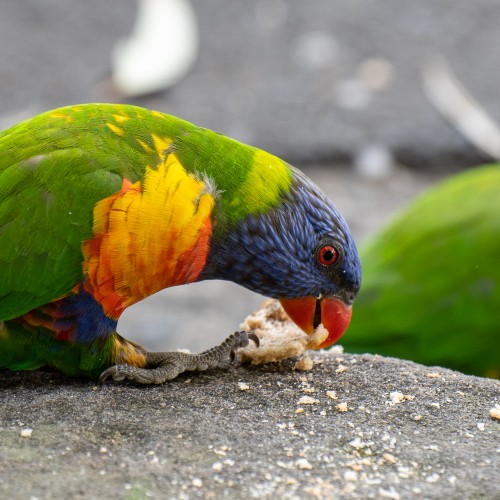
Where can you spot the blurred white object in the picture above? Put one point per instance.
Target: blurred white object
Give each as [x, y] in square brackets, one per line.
[352, 93]
[161, 49]
[315, 50]
[457, 105]
[375, 161]
[377, 73]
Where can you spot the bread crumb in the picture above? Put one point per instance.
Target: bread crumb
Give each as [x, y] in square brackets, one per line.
[433, 375]
[243, 386]
[336, 350]
[390, 459]
[309, 390]
[399, 397]
[217, 467]
[299, 410]
[356, 467]
[350, 475]
[331, 394]
[308, 400]
[357, 443]
[495, 412]
[481, 426]
[303, 463]
[341, 369]
[342, 407]
[279, 338]
[433, 478]
[304, 364]
[222, 451]
[417, 418]
[26, 433]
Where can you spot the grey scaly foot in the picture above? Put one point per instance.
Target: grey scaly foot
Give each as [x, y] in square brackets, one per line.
[163, 366]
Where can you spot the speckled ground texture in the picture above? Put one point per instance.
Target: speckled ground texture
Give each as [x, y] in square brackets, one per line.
[255, 433]
[319, 83]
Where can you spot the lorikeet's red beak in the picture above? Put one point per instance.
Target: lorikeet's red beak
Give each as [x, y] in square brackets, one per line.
[308, 312]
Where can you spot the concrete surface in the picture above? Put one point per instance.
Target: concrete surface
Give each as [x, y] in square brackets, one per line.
[406, 432]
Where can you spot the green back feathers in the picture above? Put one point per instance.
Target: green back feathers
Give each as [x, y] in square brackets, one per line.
[123, 140]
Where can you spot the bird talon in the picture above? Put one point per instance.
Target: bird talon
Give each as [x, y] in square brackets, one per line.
[105, 375]
[252, 336]
[111, 373]
[241, 340]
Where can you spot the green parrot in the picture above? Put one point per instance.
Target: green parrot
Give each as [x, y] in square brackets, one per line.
[103, 205]
[431, 279]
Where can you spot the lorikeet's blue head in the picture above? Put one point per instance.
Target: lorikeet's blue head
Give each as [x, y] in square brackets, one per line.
[300, 252]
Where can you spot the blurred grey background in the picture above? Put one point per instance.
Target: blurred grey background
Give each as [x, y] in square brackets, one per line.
[360, 95]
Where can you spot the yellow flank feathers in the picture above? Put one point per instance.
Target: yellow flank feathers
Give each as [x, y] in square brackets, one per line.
[148, 237]
[127, 352]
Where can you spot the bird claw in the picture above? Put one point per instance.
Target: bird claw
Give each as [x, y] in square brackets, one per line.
[163, 366]
[252, 336]
[242, 339]
[113, 373]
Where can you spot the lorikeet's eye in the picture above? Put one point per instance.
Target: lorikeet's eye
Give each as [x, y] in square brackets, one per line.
[327, 255]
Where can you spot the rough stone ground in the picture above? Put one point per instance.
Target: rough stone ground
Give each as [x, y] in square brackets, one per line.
[353, 427]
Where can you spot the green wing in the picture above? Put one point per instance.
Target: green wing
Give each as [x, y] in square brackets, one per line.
[53, 169]
[431, 279]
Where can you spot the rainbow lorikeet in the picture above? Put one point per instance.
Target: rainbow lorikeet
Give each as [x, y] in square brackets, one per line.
[431, 279]
[103, 205]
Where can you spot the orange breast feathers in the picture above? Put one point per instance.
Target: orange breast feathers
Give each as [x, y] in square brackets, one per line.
[148, 237]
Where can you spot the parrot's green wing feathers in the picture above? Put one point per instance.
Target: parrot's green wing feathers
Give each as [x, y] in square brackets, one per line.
[42, 225]
[431, 285]
[48, 188]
